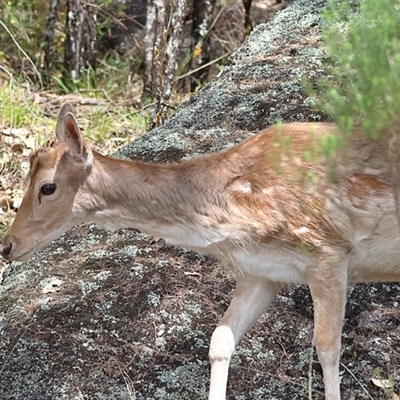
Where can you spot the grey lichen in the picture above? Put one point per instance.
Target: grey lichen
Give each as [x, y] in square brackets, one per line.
[241, 98]
[131, 320]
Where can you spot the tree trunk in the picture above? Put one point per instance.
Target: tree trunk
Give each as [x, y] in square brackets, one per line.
[162, 43]
[203, 11]
[49, 34]
[248, 26]
[80, 37]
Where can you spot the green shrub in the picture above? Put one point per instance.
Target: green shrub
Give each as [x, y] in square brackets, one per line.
[362, 42]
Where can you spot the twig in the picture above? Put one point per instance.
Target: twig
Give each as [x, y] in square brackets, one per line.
[215, 20]
[96, 91]
[128, 384]
[192, 274]
[281, 378]
[361, 385]
[141, 110]
[7, 72]
[23, 52]
[203, 66]
[310, 372]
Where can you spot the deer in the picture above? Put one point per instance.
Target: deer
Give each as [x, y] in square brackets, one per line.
[274, 209]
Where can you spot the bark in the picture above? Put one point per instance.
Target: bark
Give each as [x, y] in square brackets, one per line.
[202, 21]
[80, 37]
[247, 20]
[162, 41]
[158, 57]
[149, 41]
[49, 34]
[177, 21]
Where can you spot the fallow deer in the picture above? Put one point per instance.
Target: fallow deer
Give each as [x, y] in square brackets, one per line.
[273, 209]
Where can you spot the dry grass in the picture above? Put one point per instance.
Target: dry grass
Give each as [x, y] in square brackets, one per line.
[27, 120]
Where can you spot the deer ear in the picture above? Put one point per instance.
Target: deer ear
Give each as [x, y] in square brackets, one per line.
[78, 149]
[65, 108]
[70, 133]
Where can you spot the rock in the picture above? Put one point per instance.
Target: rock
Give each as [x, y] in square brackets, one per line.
[260, 85]
[133, 316]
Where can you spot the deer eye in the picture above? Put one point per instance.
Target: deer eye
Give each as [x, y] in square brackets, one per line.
[48, 189]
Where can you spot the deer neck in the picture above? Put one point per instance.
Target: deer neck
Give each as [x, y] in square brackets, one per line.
[167, 201]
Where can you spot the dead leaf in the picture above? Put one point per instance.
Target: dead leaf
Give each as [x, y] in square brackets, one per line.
[17, 148]
[161, 330]
[17, 203]
[16, 132]
[6, 183]
[382, 383]
[39, 99]
[5, 201]
[30, 142]
[25, 165]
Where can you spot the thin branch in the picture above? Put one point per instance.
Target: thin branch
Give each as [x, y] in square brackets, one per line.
[310, 372]
[203, 66]
[215, 21]
[105, 94]
[23, 52]
[361, 385]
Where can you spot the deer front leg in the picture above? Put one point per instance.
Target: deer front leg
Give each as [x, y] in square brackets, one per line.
[251, 299]
[328, 291]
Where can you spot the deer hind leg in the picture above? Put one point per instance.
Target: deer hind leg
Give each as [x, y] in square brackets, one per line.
[328, 286]
[252, 297]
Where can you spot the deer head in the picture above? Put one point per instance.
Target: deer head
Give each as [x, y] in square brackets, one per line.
[49, 207]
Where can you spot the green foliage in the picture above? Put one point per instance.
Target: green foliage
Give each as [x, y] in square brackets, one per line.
[15, 110]
[388, 385]
[25, 20]
[363, 45]
[109, 126]
[24, 23]
[329, 143]
[88, 81]
[109, 130]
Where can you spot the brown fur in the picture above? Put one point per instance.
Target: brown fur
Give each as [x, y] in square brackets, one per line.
[272, 208]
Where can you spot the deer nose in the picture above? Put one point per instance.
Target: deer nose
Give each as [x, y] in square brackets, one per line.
[6, 248]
